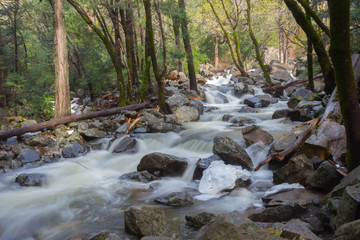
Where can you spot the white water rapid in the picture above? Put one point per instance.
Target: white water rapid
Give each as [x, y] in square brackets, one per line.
[85, 195]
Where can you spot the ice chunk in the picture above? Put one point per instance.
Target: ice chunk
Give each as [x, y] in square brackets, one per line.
[282, 188]
[219, 177]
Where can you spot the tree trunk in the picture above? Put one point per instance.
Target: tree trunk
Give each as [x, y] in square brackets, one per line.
[69, 119]
[163, 39]
[130, 25]
[16, 47]
[256, 44]
[187, 45]
[216, 58]
[176, 29]
[323, 58]
[2, 77]
[344, 77]
[62, 90]
[152, 53]
[309, 58]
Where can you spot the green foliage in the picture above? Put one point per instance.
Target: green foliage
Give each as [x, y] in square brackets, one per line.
[41, 107]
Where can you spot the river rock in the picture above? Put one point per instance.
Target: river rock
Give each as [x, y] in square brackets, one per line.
[143, 176]
[186, 114]
[241, 89]
[126, 145]
[231, 152]
[246, 80]
[175, 101]
[123, 128]
[200, 219]
[145, 220]
[162, 127]
[295, 171]
[348, 209]
[267, 98]
[280, 71]
[293, 114]
[206, 70]
[198, 105]
[241, 121]
[39, 141]
[31, 179]
[176, 199]
[219, 177]
[105, 235]
[92, 133]
[256, 102]
[293, 229]
[247, 110]
[162, 164]
[325, 177]
[233, 226]
[147, 117]
[129, 114]
[28, 123]
[254, 134]
[74, 150]
[283, 143]
[299, 95]
[226, 117]
[330, 135]
[348, 231]
[156, 238]
[276, 214]
[203, 164]
[311, 150]
[351, 178]
[28, 156]
[172, 75]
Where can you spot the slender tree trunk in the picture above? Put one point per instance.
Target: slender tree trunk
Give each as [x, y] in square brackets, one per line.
[216, 58]
[176, 29]
[62, 90]
[16, 45]
[187, 45]
[2, 76]
[142, 42]
[256, 44]
[323, 58]
[152, 53]
[163, 39]
[130, 25]
[309, 59]
[344, 76]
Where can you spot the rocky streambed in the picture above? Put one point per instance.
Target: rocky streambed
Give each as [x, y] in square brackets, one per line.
[186, 175]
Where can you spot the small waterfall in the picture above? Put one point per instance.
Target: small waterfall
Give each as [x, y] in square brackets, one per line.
[189, 172]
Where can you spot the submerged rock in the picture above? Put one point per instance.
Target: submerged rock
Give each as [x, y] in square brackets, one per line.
[126, 145]
[231, 152]
[143, 176]
[219, 177]
[31, 179]
[162, 164]
[256, 102]
[176, 199]
[254, 134]
[145, 220]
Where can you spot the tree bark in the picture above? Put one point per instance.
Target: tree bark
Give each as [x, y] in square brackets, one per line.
[2, 77]
[309, 58]
[216, 58]
[256, 44]
[344, 76]
[163, 39]
[69, 119]
[16, 45]
[62, 89]
[176, 29]
[323, 58]
[187, 45]
[152, 53]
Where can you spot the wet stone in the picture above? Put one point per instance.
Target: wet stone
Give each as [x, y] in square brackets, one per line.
[74, 150]
[203, 164]
[105, 235]
[126, 145]
[200, 219]
[143, 176]
[28, 155]
[30, 180]
[176, 199]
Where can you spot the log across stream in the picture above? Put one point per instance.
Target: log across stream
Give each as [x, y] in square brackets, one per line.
[90, 199]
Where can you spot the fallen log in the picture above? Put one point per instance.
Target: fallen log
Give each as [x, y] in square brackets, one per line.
[280, 156]
[69, 119]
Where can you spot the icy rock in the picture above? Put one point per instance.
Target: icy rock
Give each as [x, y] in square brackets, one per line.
[219, 177]
[283, 188]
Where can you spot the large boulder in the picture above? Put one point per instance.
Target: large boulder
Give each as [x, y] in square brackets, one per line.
[145, 220]
[219, 177]
[31, 179]
[351, 178]
[348, 231]
[175, 101]
[295, 171]
[299, 95]
[280, 71]
[161, 164]
[254, 134]
[256, 102]
[198, 105]
[234, 226]
[176, 199]
[74, 150]
[126, 145]
[293, 114]
[325, 177]
[231, 152]
[186, 114]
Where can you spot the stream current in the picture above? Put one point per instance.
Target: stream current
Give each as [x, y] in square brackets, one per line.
[85, 195]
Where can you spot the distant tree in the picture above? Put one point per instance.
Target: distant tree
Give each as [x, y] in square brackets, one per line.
[62, 90]
[2, 76]
[344, 76]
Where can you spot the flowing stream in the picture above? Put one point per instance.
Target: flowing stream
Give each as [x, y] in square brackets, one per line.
[85, 195]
